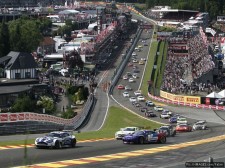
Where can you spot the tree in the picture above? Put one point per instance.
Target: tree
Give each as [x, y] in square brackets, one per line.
[44, 25]
[80, 94]
[30, 36]
[47, 103]
[23, 104]
[4, 40]
[69, 113]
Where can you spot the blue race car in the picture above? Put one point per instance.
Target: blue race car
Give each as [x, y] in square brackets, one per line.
[173, 120]
[144, 137]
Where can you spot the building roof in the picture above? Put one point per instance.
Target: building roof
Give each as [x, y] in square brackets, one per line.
[5, 58]
[173, 10]
[13, 89]
[20, 60]
[66, 12]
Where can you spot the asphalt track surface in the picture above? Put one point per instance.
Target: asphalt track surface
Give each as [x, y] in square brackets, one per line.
[173, 158]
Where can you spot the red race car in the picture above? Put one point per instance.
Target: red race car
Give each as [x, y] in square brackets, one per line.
[120, 87]
[183, 128]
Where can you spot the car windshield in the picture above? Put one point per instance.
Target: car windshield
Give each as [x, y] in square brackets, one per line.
[54, 135]
[183, 125]
[182, 119]
[137, 133]
[129, 129]
[163, 128]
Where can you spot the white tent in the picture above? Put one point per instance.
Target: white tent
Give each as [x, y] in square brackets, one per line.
[222, 93]
[214, 95]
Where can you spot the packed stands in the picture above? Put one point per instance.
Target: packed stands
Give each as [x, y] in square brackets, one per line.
[182, 69]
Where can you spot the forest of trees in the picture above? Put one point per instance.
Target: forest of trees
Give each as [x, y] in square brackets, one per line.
[213, 7]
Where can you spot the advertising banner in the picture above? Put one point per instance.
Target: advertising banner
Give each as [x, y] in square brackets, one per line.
[3, 117]
[178, 47]
[12, 117]
[180, 98]
[21, 116]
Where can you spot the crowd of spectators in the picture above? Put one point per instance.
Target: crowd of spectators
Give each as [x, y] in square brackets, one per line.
[181, 71]
[199, 58]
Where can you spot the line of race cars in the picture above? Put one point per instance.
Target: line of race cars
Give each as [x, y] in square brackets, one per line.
[137, 135]
[177, 122]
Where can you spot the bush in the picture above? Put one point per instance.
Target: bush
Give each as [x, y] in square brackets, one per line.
[69, 113]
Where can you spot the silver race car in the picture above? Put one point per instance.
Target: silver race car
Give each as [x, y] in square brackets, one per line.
[200, 125]
[57, 140]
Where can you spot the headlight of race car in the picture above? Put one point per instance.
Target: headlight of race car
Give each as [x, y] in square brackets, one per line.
[50, 141]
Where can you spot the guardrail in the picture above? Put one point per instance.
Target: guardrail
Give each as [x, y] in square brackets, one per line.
[14, 123]
[118, 72]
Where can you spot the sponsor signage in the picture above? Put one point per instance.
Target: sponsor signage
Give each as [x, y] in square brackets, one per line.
[178, 47]
[3, 117]
[180, 98]
[12, 117]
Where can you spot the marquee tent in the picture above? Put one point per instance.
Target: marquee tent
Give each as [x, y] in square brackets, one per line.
[214, 95]
[222, 93]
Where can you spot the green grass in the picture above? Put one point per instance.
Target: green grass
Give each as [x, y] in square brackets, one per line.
[163, 64]
[116, 119]
[149, 67]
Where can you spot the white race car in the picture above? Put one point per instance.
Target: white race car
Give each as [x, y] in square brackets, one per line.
[200, 125]
[125, 131]
[165, 115]
[158, 108]
[181, 120]
[57, 140]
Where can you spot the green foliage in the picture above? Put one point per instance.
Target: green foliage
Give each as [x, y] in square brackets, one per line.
[44, 25]
[69, 113]
[149, 68]
[166, 29]
[80, 94]
[23, 104]
[24, 35]
[4, 39]
[47, 103]
[213, 7]
[72, 89]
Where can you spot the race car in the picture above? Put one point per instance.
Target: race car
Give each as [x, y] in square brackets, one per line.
[150, 114]
[200, 125]
[158, 108]
[120, 87]
[149, 103]
[167, 111]
[164, 115]
[182, 120]
[173, 120]
[57, 140]
[143, 109]
[124, 131]
[168, 130]
[145, 136]
[183, 128]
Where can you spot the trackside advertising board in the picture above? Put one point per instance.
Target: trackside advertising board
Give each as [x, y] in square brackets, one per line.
[180, 98]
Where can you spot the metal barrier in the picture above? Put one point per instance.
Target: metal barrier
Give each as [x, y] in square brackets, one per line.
[123, 64]
[39, 123]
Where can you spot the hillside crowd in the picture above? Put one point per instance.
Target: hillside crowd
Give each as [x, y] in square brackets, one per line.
[181, 71]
